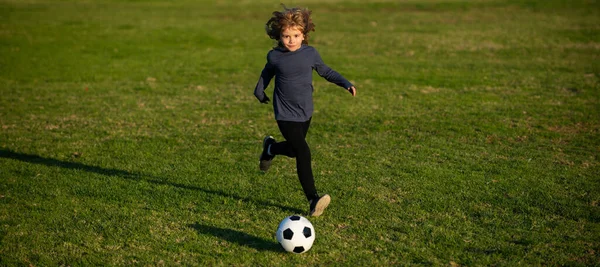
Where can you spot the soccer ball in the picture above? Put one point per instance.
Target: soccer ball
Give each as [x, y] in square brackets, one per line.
[296, 234]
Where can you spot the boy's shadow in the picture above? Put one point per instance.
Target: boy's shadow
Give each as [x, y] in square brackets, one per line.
[35, 159]
[238, 237]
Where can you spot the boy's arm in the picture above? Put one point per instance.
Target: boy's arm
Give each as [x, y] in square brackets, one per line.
[263, 82]
[331, 75]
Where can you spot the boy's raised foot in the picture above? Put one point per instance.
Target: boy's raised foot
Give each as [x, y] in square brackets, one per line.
[265, 158]
[318, 205]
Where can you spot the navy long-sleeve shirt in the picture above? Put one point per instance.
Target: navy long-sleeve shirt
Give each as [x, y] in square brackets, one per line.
[292, 96]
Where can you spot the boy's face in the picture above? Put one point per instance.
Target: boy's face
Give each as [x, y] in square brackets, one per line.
[292, 38]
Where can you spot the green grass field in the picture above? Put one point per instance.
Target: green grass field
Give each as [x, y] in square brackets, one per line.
[130, 134]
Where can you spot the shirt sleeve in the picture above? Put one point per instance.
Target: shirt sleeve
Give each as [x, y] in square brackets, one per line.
[329, 74]
[263, 82]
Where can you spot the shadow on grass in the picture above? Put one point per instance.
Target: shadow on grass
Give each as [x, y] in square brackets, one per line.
[132, 176]
[238, 237]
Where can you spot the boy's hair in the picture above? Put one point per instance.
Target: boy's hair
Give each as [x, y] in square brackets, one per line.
[290, 17]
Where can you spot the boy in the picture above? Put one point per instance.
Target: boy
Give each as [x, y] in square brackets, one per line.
[292, 63]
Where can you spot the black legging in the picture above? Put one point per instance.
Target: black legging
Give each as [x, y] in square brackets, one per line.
[295, 146]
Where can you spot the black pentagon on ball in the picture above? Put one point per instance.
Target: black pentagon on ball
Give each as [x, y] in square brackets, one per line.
[295, 218]
[307, 232]
[298, 249]
[288, 234]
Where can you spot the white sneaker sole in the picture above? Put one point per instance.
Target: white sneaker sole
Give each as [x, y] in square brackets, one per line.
[321, 205]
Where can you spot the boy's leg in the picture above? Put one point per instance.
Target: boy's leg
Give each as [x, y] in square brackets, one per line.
[271, 148]
[285, 148]
[305, 127]
[295, 145]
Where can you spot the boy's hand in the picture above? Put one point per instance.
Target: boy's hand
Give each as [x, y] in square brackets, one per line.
[265, 100]
[352, 90]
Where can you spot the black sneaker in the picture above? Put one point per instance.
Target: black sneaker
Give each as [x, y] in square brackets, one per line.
[265, 158]
[318, 205]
